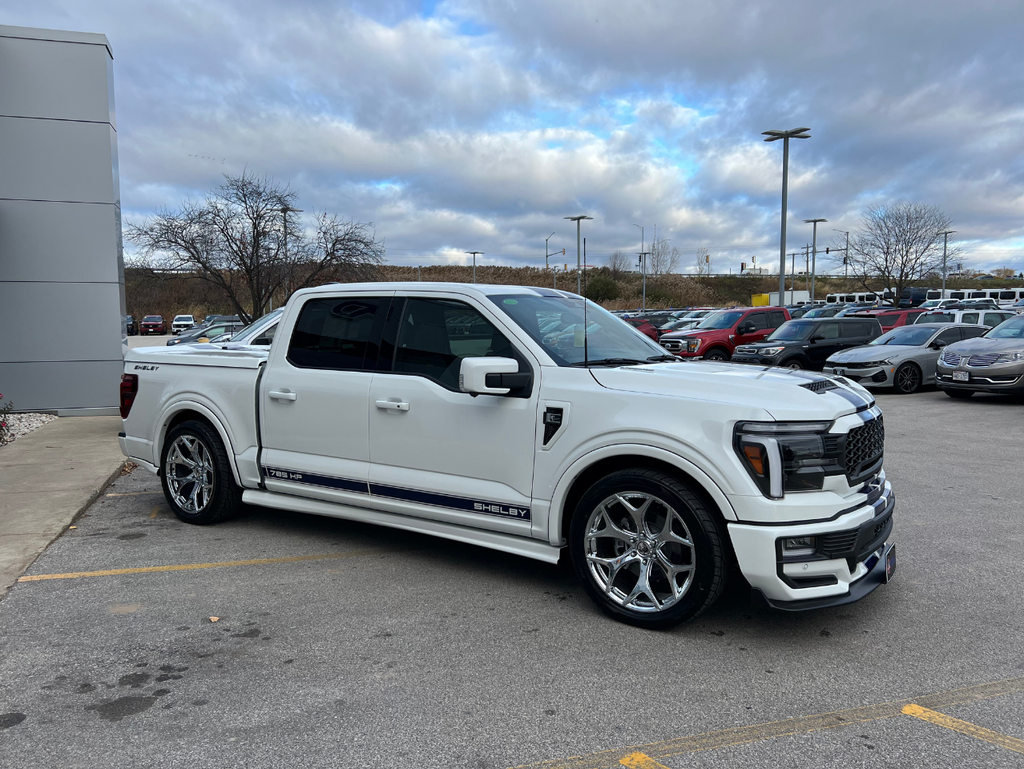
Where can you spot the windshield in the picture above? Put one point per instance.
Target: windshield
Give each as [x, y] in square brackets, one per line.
[720, 320]
[908, 335]
[257, 327]
[821, 312]
[151, 318]
[791, 331]
[1010, 329]
[183, 317]
[556, 323]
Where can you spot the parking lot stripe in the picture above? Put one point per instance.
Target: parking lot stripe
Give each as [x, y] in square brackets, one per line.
[640, 761]
[611, 759]
[964, 727]
[134, 494]
[191, 566]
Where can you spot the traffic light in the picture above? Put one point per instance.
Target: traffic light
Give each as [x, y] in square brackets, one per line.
[743, 266]
[826, 249]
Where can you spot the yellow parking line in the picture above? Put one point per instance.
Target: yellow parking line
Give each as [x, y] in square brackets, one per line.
[964, 727]
[134, 494]
[640, 761]
[191, 566]
[612, 759]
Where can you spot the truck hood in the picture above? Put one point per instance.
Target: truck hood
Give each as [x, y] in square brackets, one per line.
[784, 393]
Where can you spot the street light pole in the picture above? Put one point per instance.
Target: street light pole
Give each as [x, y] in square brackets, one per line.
[846, 253]
[578, 219]
[945, 242]
[814, 252]
[794, 133]
[546, 249]
[643, 268]
[474, 253]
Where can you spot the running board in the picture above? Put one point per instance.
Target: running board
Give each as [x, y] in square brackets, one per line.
[529, 548]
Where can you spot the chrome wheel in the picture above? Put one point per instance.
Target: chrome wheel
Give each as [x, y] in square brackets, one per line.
[639, 552]
[189, 473]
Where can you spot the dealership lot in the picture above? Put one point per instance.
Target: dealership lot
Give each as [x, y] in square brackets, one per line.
[341, 644]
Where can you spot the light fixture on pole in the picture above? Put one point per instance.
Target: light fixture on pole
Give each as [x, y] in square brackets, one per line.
[578, 219]
[546, 249]
[643, 268]
[474, 253]
[794, 133]
[945, 243]
[814, 252]
[846, 252]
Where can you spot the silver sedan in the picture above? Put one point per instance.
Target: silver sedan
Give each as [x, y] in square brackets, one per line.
[903, 359]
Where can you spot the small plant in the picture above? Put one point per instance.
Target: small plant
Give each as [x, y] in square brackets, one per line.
[5, 412]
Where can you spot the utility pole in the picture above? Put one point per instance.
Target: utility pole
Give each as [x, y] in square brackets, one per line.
[814, 256]
[792, 280]
[474, 253]
[546, 249]
[419, 273]
[643, 267]
[578, 219]
[945, 243]
[807, 267]
[794, 133]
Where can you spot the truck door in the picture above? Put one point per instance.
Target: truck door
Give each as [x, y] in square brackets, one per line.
[313, 398]
[440, 453]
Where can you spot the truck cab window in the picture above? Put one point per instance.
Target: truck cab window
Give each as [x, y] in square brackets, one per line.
[338, 333]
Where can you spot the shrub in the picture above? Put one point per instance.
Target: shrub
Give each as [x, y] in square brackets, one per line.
[601, 288]
[5, 412]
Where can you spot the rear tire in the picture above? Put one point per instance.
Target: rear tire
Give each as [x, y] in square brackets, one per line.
[647, 549]
[907, 379]
[959, 394]
[196, 475]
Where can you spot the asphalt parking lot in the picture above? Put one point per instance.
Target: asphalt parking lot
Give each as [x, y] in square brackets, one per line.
[278, 639]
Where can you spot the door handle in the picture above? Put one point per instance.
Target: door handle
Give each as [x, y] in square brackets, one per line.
[281, 396]
[393, 405]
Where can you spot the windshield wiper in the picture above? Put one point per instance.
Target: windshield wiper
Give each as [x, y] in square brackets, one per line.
[609, 362]
[655, 358]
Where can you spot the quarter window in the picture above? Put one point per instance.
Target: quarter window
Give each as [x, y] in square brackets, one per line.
[969, 317]
[338, 333]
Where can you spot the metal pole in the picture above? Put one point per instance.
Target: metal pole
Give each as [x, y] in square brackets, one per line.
[785, 203]
[474, 253]
[419, 273]
[546, 249]
[792, 280]
[945, 243]
[578, 219]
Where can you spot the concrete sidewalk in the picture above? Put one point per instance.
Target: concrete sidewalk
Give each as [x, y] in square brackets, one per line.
[47, 478]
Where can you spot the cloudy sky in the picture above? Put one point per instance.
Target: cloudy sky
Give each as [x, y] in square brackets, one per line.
[479, 124]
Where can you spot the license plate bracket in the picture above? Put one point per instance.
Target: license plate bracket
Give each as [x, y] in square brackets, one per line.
[889, 557]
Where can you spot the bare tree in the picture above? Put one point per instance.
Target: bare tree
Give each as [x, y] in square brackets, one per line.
[664, 259]
[703, 262]
[245, 239]
[618, 263]
[898, 244]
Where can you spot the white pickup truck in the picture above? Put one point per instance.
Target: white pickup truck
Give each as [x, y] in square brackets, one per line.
[517, 419]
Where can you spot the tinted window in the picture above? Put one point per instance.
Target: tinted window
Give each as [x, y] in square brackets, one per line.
[793, 331]
[1007, 295]
[957, 294]
[827, 331]
[978, 295]
[887, 320]
[777, 318]
[949, 336]
[434, 335]
[337, 333]
[969, 317]
[856, 329]
[759, 320]
[970, 332]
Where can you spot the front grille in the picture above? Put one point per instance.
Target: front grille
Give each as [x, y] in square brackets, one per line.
[672, 345]
[820, 385]
[746, 350]
[838, 544]
[978, 361]
[859, 364]
[951, 358]
[864, 446]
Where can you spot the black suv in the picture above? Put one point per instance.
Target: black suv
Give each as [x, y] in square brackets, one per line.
[808, 343]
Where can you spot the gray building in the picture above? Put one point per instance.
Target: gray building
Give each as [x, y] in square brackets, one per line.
[61, 269]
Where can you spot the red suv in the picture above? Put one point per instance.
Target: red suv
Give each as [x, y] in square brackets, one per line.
[890, 318]
[153, 324]
[717, 335]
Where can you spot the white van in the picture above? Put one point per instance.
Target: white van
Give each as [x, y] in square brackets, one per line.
[1004, 297]
[853, 298]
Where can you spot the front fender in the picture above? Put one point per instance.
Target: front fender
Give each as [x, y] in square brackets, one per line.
[580, 465]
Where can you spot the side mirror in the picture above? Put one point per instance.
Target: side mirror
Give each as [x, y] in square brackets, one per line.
[261, 340]
[938, 344]
[746, 328]
[484, 376]
[817, 338]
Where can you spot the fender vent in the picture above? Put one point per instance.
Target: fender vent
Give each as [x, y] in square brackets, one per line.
[552, 423]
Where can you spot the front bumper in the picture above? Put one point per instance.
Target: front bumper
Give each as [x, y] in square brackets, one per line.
[756, 360]
[873, 376]
[841, 569]
[994, 379]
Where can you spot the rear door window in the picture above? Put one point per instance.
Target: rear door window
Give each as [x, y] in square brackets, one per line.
[828, 330]
[338, 333]
[776, 318]
[887, 320]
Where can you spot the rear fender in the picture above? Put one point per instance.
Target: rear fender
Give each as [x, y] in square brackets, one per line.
[211, 416]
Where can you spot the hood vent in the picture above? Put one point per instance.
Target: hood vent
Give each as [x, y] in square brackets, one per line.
[820, 385]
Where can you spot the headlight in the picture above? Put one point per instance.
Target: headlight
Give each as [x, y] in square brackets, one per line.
[1010, 357]
[692, 345]
[771, 352]
[786, 456]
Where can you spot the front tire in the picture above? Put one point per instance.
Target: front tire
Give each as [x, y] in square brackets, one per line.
[647, 549]
[196, 475]
[720, 355]
[907, 379]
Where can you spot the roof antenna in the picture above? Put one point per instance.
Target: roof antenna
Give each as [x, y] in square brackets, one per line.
[585, 355]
